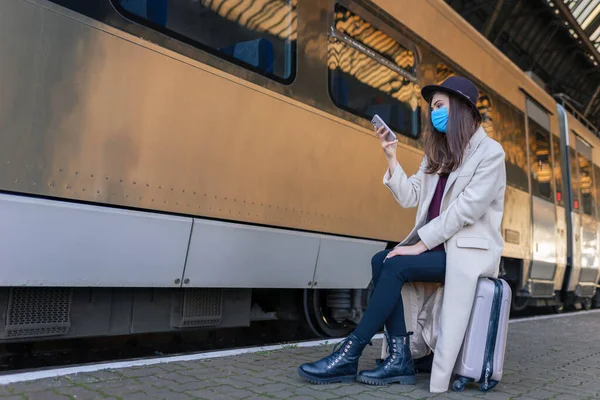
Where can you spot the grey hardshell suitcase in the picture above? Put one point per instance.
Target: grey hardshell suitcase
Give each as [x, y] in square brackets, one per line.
[481, 358]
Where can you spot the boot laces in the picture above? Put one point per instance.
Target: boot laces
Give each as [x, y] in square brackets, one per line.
[346, 344]
[393, 351]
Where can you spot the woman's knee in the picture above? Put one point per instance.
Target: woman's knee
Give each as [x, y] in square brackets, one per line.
[377, 263]
[379, 257]
[396, 268]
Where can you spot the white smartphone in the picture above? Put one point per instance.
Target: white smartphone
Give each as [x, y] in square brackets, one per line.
[378, 123]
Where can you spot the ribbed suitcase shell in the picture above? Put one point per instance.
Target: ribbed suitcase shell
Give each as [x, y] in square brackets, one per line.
[481, 358]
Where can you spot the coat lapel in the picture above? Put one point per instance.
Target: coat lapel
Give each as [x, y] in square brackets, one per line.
[476, 139]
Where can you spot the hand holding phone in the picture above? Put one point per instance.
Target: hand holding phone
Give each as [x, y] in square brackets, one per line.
[390, 142]
[378, 124]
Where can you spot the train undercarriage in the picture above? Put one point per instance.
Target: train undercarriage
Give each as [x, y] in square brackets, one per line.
[48, 313]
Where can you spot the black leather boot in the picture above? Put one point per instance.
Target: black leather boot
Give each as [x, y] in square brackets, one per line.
[398, 367]
[422, 365]
[340, 366]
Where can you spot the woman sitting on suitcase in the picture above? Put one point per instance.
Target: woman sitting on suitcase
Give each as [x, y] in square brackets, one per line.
[459, 192]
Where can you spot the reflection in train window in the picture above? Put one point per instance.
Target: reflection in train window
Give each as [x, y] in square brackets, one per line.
[358, 29]
[506, 124]
[558, 170]
[371, 73]
[586, 184]
[443, 72]
[484, 105]
[541, 167]
[258, 34]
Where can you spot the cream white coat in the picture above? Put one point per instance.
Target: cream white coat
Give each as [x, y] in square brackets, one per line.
[469, 227]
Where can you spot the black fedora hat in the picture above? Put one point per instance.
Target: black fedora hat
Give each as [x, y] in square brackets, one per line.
[456, 85]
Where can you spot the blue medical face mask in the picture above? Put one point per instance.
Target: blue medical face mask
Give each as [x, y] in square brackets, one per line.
[439, 118]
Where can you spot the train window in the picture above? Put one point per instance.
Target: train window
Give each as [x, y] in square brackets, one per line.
[574, 178]
[558, 171]
[586, 184]
[506, 124]
[443, 72]
[541, 168]
[371, 73]
[484, 105]
[259, 35]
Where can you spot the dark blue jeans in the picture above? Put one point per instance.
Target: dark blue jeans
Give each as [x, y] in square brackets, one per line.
[385, 305]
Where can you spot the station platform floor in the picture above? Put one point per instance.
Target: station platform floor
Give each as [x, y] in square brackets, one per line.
[550, 357]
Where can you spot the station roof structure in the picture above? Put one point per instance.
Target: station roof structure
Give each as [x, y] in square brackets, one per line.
[557, 42]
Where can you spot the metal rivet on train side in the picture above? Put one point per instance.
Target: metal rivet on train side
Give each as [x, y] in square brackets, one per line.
[186, 281]
[177, 281]
[315, 284]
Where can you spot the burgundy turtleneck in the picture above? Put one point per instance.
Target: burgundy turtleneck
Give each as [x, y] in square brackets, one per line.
[436, 203]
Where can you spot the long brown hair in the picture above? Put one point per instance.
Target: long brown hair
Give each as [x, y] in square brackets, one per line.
[444, 151]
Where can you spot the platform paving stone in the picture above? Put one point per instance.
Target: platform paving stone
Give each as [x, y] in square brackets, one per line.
[555, 358]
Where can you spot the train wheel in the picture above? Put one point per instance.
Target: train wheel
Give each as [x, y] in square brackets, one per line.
[318, 318]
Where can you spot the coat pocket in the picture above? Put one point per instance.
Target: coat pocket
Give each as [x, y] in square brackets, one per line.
[473, 243]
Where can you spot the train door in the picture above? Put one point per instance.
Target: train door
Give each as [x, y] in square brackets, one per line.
[582, 229]
[544, 255]
[586, 285]
[558, 154]
[573, 222]
[573, 217]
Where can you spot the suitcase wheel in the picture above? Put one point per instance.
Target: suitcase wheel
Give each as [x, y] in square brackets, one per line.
[490, 385]
[460, 383]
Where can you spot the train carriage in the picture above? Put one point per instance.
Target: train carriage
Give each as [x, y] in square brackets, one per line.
[198, 164]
